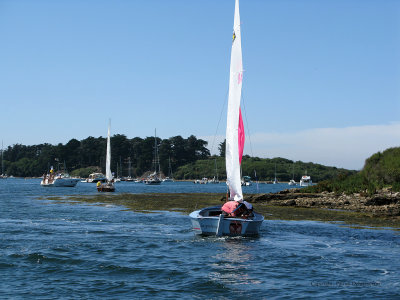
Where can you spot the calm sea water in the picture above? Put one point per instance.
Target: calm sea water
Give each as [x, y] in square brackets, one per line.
[53, 250]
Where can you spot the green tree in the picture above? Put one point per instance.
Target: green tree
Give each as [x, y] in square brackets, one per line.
[221, 148]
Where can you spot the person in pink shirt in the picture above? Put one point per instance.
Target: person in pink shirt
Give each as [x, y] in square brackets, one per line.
[237, 209]
[232, 209]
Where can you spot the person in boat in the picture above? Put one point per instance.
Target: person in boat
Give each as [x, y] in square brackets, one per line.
[239, 208]
[233, 208]
[229, 209]
[247, 209]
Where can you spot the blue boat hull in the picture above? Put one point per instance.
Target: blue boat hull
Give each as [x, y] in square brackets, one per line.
[208, 221]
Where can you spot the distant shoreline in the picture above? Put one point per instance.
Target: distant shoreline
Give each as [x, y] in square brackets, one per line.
[176, 180]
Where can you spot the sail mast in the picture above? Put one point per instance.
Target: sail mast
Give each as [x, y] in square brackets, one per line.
[233, 148]
[129, 167]
[169, 168]
[156, 159]
[108, 156]
[216, 170]
[120, 165]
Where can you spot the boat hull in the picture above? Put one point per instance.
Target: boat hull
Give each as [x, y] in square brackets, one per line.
[106, 188]
[66, 182]
[153, 182]
[208, 221]
[305, 183]
[96, 180]
[60, 182]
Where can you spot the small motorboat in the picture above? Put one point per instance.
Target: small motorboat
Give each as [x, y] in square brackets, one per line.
[59, 180]
[246, 181]
[305, 181]
[95, 177]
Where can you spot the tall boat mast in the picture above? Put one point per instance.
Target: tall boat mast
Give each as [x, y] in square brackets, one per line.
[169, 168]
[108, 156]
[156, 159]
[129, 167]
[216, 170]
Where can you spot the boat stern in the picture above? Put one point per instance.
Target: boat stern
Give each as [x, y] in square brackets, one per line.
[209, 221]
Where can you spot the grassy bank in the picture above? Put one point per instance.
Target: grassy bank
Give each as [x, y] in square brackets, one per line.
[186, 203]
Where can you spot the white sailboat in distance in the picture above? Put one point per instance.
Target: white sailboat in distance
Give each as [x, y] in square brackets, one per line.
[240, 220]
[108, 186]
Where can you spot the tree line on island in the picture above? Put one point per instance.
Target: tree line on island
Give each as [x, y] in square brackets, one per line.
[381, 170]
[189, 159]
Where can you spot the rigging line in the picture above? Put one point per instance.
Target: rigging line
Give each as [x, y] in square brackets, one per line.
[248, 132]
[219, 121]
[247, 125]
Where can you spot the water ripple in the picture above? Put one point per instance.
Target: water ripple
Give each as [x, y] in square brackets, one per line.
[87, 251]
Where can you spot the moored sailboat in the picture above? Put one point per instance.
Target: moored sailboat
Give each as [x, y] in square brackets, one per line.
[292, 181]
[170, 177]
[108, 186]
[215, 179]
[154, 178]
[275, 180]
[235, 217]
[129, 178]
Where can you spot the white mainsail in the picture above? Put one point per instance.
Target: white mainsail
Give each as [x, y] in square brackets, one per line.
[232, 126]
[109, 175]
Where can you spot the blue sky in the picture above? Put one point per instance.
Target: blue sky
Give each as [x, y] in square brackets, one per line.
[321, 80]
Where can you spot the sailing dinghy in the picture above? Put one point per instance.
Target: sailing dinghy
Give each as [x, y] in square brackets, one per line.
[212, 220]
[108, 186]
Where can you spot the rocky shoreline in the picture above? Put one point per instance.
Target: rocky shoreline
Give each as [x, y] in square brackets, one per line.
[384, 203]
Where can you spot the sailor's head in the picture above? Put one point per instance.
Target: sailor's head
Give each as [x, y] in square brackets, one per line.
[249, 206]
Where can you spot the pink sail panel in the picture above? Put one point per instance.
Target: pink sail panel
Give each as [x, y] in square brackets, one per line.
[241, 136]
